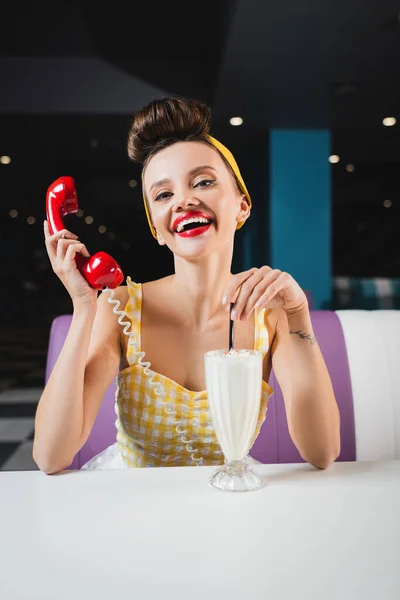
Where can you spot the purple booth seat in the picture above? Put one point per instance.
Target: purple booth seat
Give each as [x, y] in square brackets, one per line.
[273, 444]
[103, 432]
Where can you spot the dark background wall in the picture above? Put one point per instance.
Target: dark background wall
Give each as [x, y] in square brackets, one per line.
[72, 74]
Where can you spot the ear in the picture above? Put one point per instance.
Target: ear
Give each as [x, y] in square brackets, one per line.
[160, 240]
[244, 210]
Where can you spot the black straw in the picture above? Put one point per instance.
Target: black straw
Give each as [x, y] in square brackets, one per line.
[231, 328]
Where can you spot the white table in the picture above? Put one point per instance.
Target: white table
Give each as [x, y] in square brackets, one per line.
[145, 534]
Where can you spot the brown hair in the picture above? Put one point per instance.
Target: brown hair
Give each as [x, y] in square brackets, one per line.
[164, 122]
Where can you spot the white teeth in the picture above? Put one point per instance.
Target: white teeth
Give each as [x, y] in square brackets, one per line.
[192, 220]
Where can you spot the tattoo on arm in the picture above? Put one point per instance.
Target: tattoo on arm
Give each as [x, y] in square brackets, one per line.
[304, 336]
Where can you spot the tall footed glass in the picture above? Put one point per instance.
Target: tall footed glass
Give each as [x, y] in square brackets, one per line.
[234, 385]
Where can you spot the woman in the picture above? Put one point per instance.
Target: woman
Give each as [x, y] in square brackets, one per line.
[195, 199]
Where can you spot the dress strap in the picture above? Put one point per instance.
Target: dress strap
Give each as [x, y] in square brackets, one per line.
[133, 309]
[261, 336]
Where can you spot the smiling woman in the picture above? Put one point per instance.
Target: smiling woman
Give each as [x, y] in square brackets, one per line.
[195, 200]
[209, 192]
[162, 124]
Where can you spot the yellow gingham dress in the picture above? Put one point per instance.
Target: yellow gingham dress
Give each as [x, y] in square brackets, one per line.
[172, 431]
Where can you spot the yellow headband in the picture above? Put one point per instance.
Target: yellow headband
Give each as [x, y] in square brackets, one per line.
[227, 154]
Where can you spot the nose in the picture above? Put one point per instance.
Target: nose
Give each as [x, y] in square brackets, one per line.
[183, 202]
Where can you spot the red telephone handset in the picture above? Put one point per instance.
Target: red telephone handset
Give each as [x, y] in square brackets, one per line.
[100, 270]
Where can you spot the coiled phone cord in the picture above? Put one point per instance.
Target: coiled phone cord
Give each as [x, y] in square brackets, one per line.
[158, 387]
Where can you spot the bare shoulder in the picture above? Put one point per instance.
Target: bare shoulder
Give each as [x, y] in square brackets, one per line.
[106, 306]
[157, 286]
[120, 293]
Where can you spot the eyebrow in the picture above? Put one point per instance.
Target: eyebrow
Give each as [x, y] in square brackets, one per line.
[191, 173]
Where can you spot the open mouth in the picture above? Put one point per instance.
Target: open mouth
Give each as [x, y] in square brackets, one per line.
[193, 227]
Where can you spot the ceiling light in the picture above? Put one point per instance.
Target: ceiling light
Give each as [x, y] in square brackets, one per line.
[89, 220]
[13, 213]
[387, 203]
[31, 220]
[389, 121]
[79, 212]
[102, 229]
[334, 158]
[5, 160]
[132, 183]
[350, 168]
[235, 121]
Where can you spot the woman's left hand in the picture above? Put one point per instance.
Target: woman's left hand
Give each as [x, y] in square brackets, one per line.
[264, 288]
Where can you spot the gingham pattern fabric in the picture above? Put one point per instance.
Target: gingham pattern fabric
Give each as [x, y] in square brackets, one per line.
[147, 435]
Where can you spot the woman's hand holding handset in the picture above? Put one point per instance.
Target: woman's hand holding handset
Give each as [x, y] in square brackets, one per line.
[85, 367]
[62, 248]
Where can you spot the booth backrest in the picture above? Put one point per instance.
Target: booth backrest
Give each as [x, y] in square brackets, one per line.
[361, 350]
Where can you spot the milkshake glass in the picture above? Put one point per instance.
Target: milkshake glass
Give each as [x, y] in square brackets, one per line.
[234, 386]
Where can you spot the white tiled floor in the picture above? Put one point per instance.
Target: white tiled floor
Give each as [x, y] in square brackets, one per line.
[23, 356]
[15, 430]
[21, 395]
[22, 459]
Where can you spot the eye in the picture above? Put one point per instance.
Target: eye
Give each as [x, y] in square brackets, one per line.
[163, 196]
[204, 183]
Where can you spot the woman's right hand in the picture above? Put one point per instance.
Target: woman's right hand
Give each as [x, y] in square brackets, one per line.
[62, 248]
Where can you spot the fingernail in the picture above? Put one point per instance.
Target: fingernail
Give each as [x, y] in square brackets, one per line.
[224, 299]
[233, 314]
